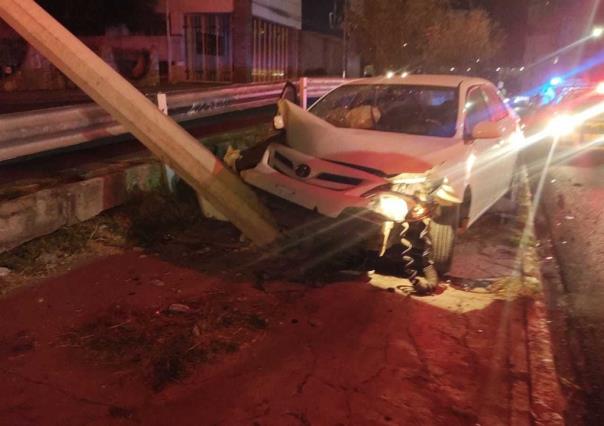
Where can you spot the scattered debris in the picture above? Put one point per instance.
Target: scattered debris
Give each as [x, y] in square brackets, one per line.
[158, 283]
[179, 308]
[163, 347]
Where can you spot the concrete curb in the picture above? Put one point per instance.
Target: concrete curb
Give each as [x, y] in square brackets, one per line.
[43, 212]
[546, 398]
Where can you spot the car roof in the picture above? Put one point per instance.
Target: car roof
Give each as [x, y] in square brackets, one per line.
[440, 80]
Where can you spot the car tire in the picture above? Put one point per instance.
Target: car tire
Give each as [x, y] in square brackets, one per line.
[417, 258]
[443, 232]
[427, 282]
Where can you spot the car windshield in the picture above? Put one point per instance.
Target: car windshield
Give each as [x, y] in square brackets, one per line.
[415, 110]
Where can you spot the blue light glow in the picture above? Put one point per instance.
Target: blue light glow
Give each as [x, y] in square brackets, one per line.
[556, 81]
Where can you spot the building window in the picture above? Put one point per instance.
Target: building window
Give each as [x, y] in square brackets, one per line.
[208, 47]
[270, 51]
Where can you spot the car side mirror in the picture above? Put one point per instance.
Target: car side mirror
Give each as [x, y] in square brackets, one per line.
[487, 130]
[290, 93]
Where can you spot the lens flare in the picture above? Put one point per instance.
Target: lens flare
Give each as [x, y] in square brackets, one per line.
[562, 125]
[393, 207]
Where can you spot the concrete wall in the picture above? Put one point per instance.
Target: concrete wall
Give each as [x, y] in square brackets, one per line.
[31, 216]
[242, 41]
[320, 54]
[136, 57]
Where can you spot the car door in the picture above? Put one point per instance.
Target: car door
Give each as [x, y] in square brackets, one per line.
[481, 172]
[506, 148]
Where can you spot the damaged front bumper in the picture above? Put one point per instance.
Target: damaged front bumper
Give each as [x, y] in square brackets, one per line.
[323, 186]
[372, 207]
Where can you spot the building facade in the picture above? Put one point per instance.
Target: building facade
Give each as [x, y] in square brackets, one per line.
[216, 41]
[231, 40]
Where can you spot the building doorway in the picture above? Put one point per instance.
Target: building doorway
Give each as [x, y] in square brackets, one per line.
[208, 45]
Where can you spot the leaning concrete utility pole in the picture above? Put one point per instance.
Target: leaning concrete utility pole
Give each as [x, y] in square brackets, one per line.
[162, 135]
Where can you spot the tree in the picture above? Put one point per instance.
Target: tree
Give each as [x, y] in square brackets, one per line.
[461, 38]
[86, 17]
[427, 34]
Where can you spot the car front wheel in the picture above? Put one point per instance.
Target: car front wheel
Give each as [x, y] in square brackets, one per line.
[443, 233]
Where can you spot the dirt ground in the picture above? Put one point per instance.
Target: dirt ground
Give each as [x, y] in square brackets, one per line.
[191, 331]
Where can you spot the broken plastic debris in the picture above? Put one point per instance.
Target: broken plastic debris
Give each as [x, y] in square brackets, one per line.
[549, 258]
[158, 283]
[231, 157]
[179, 308]
[569, 217]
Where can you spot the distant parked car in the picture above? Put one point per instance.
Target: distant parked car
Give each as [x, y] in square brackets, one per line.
[413, 159]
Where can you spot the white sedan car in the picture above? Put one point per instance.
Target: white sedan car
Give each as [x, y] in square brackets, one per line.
[415, 157]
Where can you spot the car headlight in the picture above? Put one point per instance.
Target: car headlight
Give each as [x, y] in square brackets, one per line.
[391, 206]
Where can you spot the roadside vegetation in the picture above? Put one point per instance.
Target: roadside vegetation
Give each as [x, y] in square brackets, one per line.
[424, 35]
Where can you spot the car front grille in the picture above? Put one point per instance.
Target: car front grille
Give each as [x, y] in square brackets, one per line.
[281, 163]
[344, 180]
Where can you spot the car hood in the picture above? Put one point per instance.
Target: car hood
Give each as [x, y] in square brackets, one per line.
[386, 152]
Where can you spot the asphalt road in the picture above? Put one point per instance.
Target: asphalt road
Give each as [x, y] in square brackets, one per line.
[571, 205]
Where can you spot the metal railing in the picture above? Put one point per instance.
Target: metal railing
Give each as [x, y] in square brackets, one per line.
[34, 132]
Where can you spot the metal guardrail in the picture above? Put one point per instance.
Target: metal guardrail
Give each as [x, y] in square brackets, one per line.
[34, 132]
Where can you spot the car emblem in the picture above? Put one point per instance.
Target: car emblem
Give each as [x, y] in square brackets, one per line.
[303, 171]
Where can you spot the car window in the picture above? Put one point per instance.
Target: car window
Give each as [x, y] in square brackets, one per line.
[496, 106]
[476, 109]
[400, 108]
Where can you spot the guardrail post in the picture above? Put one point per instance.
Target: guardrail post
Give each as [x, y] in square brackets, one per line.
[304, 92]
[162, 104]
[141, 117]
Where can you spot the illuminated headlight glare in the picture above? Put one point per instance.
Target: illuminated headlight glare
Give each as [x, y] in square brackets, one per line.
[418, 212]
[393, 207]
[562, 125]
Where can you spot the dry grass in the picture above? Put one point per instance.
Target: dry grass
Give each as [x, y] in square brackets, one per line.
[164, 345]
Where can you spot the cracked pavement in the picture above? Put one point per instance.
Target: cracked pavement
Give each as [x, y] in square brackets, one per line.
[358, 351]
